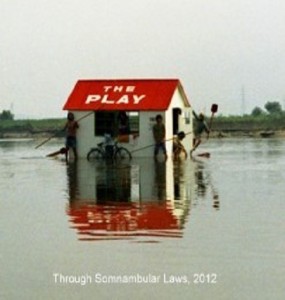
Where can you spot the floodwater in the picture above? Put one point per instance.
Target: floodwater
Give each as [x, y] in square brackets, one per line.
[195, 229]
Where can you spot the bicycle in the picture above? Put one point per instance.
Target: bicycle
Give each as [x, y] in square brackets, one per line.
[114, 152]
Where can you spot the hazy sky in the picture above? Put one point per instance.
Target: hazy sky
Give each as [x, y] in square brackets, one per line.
[215, 47]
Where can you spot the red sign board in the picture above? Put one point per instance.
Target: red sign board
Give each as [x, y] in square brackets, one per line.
[128, 95]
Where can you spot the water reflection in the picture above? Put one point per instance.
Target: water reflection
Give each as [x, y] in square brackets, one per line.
[204, 183]
[142, 201]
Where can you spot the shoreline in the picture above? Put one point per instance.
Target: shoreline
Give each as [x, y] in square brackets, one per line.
[248, 133]
[214, 134]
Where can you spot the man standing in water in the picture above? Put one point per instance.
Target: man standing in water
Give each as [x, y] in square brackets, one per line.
[158, 131]
[200, 127]
[71, 127]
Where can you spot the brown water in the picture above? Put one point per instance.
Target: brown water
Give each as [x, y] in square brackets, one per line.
[198, 229]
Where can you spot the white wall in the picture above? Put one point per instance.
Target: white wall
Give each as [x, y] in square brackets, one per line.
[145, 142]
[177, 102]
[85, 135]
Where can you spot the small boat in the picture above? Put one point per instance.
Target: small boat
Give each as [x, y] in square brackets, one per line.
[266, 134]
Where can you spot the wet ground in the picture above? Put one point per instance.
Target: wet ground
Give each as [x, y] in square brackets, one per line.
[195, 229]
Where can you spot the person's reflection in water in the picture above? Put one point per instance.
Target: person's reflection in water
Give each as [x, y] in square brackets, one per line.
[200, 181]
[160, 180]
[182, 191]
[178, 175]
[72, 181]
[203, 181]
[216, 202]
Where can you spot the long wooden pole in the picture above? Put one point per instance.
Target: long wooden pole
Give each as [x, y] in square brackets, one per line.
[49, 138]
[152, 145]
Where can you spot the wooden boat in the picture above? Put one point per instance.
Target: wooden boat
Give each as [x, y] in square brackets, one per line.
[266, 134]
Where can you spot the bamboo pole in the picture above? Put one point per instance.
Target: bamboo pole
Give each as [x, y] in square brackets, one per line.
[49, 138]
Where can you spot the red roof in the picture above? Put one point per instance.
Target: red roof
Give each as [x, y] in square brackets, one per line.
[135, 94]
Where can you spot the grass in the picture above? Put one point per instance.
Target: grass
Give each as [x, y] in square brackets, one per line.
[248, 122]
[32, 125]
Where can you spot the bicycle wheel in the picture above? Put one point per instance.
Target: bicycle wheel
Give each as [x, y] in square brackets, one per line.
[95, 154]
[123, 154]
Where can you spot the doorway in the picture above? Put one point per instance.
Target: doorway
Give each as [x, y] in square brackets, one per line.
[176, 112]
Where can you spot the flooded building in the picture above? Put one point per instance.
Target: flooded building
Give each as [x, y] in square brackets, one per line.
[126, 110]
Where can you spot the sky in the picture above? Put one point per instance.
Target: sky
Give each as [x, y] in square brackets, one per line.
[228, 52]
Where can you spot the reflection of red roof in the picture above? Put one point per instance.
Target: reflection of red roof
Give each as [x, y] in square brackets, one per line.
[130, 95]
[97, 222]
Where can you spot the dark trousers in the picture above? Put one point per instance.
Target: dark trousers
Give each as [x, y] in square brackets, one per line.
[158, 146]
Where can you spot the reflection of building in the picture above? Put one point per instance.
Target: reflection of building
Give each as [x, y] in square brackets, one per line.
[124, 221]
[128, 108]
[126, 201]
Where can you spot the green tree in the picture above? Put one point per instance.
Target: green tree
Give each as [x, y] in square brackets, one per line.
[257, 111]
[273, 107]
[6, 115]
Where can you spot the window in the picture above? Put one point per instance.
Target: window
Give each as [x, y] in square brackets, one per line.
[134, 118]
[104, 123]
[116, 123]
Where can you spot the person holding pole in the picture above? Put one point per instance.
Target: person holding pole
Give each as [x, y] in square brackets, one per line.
[158, 131]
[71, 127]
[200, 127]
[178, 147]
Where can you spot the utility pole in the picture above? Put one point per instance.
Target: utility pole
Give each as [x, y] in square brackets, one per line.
[242, 101]
[12, 110]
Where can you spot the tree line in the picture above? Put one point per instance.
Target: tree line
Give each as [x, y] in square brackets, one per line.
[271, 108]
[6, 115]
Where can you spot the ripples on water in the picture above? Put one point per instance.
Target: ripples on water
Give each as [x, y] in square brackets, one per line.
[221, 215]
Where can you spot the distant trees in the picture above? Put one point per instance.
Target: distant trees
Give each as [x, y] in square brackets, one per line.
[272, 108]
[6, 115]
[257, 111]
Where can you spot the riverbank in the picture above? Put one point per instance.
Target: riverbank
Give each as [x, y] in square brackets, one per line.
[214, 134]
[29, 134]
[249, 126]
[248, 133]
[222, 127]
[31, 128]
